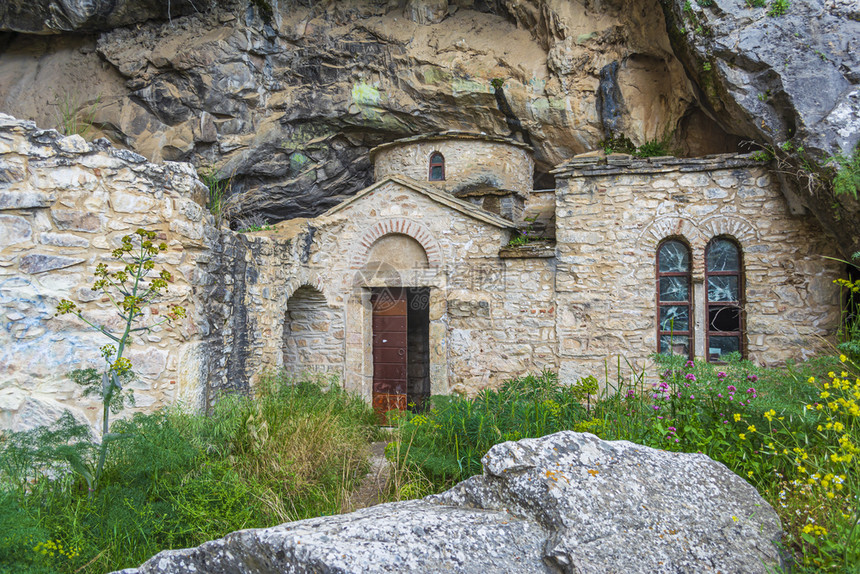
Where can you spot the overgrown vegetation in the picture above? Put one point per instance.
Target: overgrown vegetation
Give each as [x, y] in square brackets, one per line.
[131, 292]
[73, 117]
[792, 433]
[525, 236]
[219, 193]
[847, 178]
[175, 479]
[778, 8]
[620, 143]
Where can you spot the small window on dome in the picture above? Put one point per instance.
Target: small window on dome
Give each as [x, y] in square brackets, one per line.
[437, 167]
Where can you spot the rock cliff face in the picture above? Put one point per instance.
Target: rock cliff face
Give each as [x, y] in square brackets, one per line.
[287, 97]
[788, 80]
[567, 502]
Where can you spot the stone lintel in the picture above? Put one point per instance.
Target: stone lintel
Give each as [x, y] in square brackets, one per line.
[538, 250]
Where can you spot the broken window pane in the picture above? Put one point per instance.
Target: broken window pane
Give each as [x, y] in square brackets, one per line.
[723, 256]
[674, 257]
[723, 288]
[674, 289]
[724, 318]
[721, 346]
[675, 345]
[675, 318]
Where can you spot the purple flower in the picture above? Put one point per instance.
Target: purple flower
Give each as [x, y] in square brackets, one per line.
[719, 395]
[661, 418]
[731, 397]
[676, 440]
[731, 388]
[656, 407]
[688, 364]
[692, 396]
[690, 377]
[752, 378]
[673, 429]
[750, 390]
[722, 375]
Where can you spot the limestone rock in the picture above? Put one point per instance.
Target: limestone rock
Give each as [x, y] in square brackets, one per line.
[776, 78]
[567, 502]
[48, 16]
[14, 229]
[426, 11]
[39, 263]
[285, 102]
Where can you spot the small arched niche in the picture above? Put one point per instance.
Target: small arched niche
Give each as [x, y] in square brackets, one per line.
[313, 334]
[397, 252]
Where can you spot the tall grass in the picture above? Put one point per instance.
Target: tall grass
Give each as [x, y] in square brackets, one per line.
[794, 433]
[177, 479]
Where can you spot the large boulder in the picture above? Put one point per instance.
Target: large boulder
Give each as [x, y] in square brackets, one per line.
[568, 502]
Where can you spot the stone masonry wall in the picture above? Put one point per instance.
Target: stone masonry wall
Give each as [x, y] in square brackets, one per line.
[469, 161]
[64, 206]
[490, 318]
[610, 220]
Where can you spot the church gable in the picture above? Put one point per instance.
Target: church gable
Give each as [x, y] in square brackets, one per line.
[406, 188]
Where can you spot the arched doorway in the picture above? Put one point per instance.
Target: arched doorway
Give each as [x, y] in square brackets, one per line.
[400, 323]
[313, 335]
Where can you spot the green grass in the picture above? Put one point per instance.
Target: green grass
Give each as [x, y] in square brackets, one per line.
[178, 479]
[794, 433]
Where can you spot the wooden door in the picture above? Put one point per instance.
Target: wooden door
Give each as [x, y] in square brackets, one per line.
[389, 350]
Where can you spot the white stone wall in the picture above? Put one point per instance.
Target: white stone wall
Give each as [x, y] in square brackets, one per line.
[468, 161]
[64, 206]
[610, 220]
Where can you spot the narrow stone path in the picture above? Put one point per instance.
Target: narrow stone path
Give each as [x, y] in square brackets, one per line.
[375, 482]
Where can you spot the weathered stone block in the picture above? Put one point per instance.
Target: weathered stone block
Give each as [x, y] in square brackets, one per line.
[63, 240]
[73, 220]
[13, 230]
[38, 263]
[25, 199]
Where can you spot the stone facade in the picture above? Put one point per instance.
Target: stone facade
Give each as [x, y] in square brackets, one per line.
[300, 296]
[611, 217]
[573, 305]
[64, 206]
[471, 161]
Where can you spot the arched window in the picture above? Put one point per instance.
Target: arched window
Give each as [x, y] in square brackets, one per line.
[724, 297]
[674, 298]
[437, 166]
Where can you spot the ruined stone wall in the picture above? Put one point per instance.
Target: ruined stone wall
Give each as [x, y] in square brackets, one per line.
[610, 220]
[469, 161]
[64, 206]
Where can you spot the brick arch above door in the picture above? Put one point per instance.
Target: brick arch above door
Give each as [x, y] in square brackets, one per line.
[402, 226]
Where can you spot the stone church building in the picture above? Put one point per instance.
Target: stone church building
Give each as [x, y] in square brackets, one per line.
[448, 275]
[414, 286]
